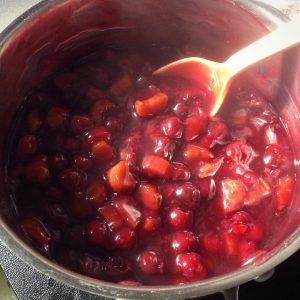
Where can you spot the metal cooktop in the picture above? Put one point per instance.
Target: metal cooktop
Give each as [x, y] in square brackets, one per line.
[29, 284]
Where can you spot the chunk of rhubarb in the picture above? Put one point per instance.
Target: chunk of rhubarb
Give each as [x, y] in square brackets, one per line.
[283, 192]
[120, 179]
[233, 195]
[193, 153]
[155, 166]
[151, 106]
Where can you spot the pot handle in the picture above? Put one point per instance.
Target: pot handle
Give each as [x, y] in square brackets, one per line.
[231, 294]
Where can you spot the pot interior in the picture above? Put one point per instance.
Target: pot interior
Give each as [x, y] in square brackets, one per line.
[60, 32]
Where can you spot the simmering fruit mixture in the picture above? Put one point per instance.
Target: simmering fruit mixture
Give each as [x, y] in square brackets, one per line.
[124, 177]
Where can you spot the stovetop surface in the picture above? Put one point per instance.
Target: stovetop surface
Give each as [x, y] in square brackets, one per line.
[29, 284]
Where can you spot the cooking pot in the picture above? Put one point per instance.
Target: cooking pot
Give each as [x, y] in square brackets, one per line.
[56, 32]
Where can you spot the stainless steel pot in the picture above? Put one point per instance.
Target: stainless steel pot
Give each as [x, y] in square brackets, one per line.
[57, 31]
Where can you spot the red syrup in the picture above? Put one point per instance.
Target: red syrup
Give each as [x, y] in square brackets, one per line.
[124, 177]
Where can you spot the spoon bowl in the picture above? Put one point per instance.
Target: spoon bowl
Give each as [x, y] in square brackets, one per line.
[215, 78]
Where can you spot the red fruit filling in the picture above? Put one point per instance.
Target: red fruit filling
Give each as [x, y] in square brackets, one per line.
[123, 176]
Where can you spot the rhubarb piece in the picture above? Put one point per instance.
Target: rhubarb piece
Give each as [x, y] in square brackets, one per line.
[149, 195]
[206, 169]
[155, 166]
[120, 179]
[151, 106]
[194, 153]
[233, 195]
[193, 127]
[127, 210]
[257, 192]
[283, 192]
[111, 216]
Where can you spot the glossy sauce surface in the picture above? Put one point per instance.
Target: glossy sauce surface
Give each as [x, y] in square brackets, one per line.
[124, 177]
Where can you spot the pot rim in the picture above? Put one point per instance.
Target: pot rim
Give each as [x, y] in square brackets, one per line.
[270, 17]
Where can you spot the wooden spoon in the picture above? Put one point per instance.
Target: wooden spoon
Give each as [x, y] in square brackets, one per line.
[217, 77]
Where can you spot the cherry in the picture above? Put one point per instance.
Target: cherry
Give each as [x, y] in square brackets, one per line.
[90, 266]
[217, 129]
[71, 145]
[123, 238]
[80, 124]
[57, 117]
[172, 127]
[96, 134]
[180, 219]
[116, 268]
[34, 120]
[80, 208]
[240, 152]
[54, 194]
[190, 264]
[275, 156]
[188, 195]
[100, 109]
[27, 146]
[72, 179]
[57, 162]
[163, 146]
[151, 262]
[180, 172]
[102, 152]
[37, 170]
[81, 162]
[180, 109]
[56, 215]
[184, 241]
[36, 231]
[96, 233]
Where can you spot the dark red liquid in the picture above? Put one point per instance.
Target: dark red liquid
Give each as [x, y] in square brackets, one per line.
[124, 177]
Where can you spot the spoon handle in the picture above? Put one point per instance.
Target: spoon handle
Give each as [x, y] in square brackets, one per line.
[280, 39]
